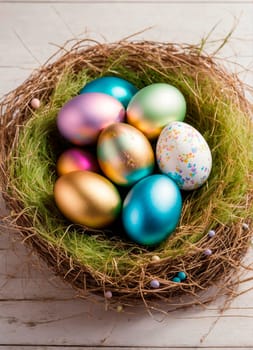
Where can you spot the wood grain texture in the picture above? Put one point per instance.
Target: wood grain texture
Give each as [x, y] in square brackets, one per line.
[60, 347]
[80, 323]
[38, 310]
[29, 33]
[133, 1]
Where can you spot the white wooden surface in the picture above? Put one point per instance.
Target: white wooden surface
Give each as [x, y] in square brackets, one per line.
[38, 311]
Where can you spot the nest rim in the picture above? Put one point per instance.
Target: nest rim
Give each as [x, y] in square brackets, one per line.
[226, 259]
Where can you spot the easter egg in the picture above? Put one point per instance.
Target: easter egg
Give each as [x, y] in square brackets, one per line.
[182, 275]
[154, 284]
[155, 106]
[124, 154]
[35, 103]
[82, 118]
[119, 88]
[183, 154]
[152, 209]
[87, 198]
[76, 159]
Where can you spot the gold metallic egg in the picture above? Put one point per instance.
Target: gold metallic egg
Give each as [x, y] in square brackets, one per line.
[87, 198]
[124, 154]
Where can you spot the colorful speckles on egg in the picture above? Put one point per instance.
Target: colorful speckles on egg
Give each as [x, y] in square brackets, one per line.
[184, 155]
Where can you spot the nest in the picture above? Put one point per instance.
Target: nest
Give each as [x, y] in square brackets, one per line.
[101, 261]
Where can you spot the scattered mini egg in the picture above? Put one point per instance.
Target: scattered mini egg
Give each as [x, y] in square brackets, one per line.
[211, 233]
[155, 106]
[108, 294]
[184, 155]
[119, 308]
[124, 154]
[176, 279]
[82, 118]
[245, 226]
[155, 258]
[154, 284]
[35, 103]
[208, 252]
[76, 159]
[182, 275]
[119, 88]
[152, 209]
[87, 198]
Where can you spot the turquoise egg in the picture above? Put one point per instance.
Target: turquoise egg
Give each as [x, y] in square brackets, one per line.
[176, 279]
[152, 209]
[182, 275]
[119, 88]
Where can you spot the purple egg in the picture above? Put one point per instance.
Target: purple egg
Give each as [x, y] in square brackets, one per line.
[208, 252]
[155, 284]
[82, 118]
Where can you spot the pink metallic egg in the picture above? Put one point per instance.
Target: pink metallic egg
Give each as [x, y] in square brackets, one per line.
[76, 159]
[82, 118]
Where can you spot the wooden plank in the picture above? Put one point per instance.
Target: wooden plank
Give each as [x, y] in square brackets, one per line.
[43, 347]
[26, 30]
[12, 77]
[60, 347]
[130, 1]
[35, 289]
[79, 323]
[62, 21]
[24, 276]
[27, 48]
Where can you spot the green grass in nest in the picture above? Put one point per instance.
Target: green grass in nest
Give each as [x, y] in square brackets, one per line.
[221, 201]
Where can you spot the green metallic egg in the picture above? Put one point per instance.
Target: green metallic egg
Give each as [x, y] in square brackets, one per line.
[154, 106]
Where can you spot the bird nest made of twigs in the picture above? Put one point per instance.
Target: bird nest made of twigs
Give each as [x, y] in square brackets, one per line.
[214, 230]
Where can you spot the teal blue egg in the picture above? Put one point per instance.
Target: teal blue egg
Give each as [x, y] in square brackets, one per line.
[181, 275]
[119, 88]
[152, 209]
[176, 279]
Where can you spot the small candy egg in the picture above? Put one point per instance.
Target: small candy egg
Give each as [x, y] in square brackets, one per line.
[154, 284]
[108, 294]
[208, 252]
[76, 159]
[176, 279]
[183, 154]
[81, 119]
[211, 233]
[87, 198]
[35, 103]
[245, 226]
[119, 88]
[124, 154]
[181, 275]
[155, 106]
[119, 308]
[152, 209]
[155, 258]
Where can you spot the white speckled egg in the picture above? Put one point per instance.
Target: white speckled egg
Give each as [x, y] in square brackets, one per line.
[184, 155]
